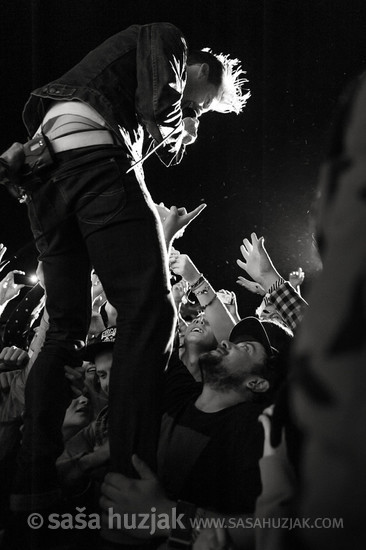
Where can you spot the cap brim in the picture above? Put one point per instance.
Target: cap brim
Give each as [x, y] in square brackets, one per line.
[251, 327]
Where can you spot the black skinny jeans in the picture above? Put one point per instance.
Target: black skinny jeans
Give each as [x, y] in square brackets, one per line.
[88, 212]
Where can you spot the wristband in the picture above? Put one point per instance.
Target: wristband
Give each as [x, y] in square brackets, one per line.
[198, 283]
[204, 290]
[203, 307]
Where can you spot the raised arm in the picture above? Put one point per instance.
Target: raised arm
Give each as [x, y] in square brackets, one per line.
[258, 264]
[9, 289]
[175, 220]
[221, 321]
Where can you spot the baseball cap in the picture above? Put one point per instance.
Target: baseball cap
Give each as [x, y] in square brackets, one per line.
[106, 338]
[272, 336]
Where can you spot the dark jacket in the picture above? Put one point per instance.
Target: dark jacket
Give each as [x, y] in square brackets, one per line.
[134, 80]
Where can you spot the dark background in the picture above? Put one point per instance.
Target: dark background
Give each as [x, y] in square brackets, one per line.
[257, 171]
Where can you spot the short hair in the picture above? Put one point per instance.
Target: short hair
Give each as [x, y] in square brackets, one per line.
[225, 73]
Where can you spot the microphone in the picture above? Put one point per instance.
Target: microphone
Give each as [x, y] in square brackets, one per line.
[191, 110]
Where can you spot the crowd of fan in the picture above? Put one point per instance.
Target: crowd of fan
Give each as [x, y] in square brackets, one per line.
[217, 450]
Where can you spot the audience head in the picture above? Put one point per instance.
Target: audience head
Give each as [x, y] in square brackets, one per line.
[100, 352]
[199, 334]
[249, 362]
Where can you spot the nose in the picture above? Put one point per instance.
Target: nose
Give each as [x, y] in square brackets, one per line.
[199, 320]
[83, 400]
[225, 344]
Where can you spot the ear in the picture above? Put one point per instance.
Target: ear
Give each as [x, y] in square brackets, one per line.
[257, 384]
[204, 71]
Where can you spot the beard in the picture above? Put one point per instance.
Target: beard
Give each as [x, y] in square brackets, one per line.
[216, 376]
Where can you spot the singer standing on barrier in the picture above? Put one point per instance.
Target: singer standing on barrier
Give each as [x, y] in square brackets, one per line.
[87, 207]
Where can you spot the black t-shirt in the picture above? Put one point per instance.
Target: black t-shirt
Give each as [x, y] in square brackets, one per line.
[210, 459]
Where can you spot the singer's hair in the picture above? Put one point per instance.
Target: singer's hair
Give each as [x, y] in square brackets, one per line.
[226, 74]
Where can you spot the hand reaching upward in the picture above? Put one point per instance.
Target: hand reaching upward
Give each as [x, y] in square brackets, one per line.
[257, 263]
[177, 219]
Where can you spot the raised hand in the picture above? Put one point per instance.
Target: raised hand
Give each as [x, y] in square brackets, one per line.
[13, 358]
[257, 263]
[177, 219]
[296, 278]
[252, 286]
[8, 288]
[182, 265]
[228, 297]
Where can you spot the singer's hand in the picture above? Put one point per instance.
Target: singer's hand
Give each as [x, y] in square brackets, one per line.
[190, 130]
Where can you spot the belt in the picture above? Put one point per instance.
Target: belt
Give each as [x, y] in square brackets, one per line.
[82, 139]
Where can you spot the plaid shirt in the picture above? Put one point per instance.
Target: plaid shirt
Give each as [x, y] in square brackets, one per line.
[289, 304]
